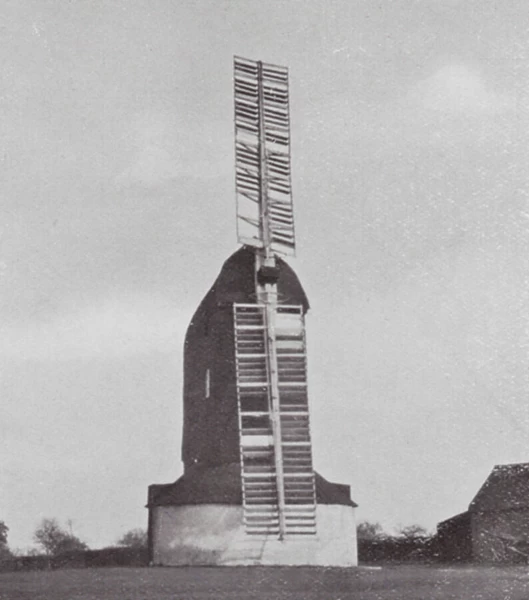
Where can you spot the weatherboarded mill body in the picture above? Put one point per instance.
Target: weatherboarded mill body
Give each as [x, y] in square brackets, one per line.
[249, 493]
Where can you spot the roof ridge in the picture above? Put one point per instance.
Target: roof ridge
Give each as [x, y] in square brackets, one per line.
[511, 465]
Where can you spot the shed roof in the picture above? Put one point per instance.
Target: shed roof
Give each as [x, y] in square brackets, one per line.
[506, 488]
[454, 521]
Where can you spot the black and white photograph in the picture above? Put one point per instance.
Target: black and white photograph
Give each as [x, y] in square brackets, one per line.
[264, 300]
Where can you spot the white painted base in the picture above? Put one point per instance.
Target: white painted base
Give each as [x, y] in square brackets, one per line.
[213, 534]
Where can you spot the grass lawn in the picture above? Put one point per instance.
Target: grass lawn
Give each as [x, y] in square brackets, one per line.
[268, 583]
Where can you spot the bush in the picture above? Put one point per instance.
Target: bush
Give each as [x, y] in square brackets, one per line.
[107, 557]
[135, 538]
[117, 557]
[412, 543]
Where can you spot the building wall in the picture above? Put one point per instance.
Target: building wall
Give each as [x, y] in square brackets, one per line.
[500, 536]
[454, 539]
[213, 534]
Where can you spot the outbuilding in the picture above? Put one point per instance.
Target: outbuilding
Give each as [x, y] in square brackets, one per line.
[496, 523]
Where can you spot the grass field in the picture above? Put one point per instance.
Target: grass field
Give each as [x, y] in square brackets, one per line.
[239, 583]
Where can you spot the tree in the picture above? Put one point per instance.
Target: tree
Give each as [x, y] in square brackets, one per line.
[4, 549]
[55, 540]
[411, 532]
[135, 538]
[3, 532]
[369, 531]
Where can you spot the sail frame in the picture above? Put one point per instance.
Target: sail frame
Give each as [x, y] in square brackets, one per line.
[263, 182]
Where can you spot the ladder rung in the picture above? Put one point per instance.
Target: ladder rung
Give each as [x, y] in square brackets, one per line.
[254, 384]
[300, 508]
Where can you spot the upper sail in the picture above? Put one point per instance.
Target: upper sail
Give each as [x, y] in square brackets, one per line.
[265, 214]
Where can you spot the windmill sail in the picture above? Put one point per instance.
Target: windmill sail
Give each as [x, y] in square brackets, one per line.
[273, 504]
[262, 156]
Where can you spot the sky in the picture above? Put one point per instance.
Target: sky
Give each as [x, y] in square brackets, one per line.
[410, 137]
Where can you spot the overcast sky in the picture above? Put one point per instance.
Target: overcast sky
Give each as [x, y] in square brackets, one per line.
[410, 153]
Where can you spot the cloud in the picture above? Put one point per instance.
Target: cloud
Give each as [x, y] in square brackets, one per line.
[459, 89]
[453, 108]
[114, 328]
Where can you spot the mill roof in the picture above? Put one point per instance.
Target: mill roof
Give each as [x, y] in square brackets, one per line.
[506, 488]
[236, 283]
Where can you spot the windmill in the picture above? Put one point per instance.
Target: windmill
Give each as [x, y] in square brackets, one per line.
[249, 493]
[277, 474]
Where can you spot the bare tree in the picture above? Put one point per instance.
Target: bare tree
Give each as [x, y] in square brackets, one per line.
[414, 531]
